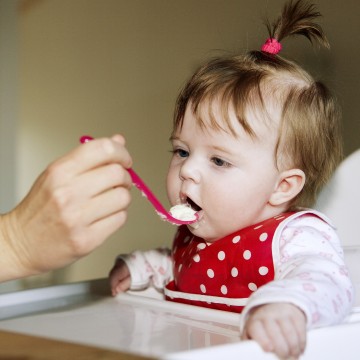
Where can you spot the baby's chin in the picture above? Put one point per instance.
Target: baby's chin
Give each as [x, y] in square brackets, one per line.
[213, 232]
[199, 229]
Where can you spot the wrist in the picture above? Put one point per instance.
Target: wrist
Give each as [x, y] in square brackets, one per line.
[14, 258]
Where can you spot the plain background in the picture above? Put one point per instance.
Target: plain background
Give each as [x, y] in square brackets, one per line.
[100, 67]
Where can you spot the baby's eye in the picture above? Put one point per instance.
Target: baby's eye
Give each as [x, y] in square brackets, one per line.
[219, 162]
[181, 153]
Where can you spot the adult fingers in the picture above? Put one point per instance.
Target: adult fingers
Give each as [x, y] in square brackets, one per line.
[94, 154]
[99, 180]
[91, 236]
[105, 204]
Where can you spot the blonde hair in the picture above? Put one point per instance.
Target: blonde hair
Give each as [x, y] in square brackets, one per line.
[309, 135]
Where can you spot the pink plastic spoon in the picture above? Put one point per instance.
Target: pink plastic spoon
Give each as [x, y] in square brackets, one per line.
[139, 183]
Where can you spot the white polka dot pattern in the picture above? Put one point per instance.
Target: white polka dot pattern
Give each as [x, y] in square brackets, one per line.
[196, 258]
[252, 286]
[247, 254]
[233, 267]
[210, 273]
[263, 237]
[234, 272]
[263, 270]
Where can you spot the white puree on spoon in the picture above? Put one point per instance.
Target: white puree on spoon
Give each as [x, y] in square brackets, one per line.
[183, 212]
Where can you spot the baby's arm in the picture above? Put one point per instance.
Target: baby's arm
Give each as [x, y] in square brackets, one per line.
[310, 279]
[137, 270]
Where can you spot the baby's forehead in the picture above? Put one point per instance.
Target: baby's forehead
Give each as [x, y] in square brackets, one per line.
[252, 117]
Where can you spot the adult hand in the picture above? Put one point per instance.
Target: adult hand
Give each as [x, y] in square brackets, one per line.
[279, 328]
[74, 205]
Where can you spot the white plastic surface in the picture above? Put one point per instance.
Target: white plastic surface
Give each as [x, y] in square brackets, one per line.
[340, 200]
[137, 323]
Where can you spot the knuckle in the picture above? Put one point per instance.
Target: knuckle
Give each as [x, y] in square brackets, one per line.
[61, 197]
[52, 174]
[107, 145]
[58, 174]
[68, 215]
[80, 248]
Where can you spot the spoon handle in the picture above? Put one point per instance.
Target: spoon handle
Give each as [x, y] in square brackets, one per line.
[139, 183]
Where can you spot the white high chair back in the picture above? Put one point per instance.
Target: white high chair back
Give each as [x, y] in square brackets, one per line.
[340, 200]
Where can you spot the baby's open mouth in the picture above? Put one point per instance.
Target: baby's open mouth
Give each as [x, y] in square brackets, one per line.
[192, 204]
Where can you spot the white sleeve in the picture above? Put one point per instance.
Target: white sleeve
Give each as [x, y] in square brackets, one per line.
[146, 267]
[309, 272]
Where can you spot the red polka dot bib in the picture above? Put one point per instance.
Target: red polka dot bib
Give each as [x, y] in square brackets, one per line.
[224, 274]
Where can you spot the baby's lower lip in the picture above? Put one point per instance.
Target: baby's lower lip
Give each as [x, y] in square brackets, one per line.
[194, 225]
[200, 215]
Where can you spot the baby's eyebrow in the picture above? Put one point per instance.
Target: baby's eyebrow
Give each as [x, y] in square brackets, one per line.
[222, 149]
[173, 137]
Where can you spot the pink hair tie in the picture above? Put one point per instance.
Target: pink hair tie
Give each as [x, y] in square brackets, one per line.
[271, 46]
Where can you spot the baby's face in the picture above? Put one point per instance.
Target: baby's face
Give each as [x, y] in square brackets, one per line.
[228, 179]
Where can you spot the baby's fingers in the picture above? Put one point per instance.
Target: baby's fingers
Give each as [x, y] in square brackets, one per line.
[255, 330]
[295, 337]
[268, 334]
[119, 277]
[122, 286]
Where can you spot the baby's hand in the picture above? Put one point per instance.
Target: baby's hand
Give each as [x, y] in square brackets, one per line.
[119, 277]
[279, 328]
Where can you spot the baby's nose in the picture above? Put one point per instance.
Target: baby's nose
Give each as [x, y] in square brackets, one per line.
[190, 170]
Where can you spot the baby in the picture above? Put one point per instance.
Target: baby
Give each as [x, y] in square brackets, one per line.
[255, 138]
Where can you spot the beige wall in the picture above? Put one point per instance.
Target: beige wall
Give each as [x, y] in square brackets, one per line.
[104, 66]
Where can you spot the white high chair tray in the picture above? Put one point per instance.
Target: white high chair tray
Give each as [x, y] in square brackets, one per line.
[143, 323]
[140, 323]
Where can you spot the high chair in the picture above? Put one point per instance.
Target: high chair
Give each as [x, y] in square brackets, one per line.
[340, 199]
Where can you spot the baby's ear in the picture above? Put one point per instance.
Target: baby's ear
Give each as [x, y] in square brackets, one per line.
[290, 184]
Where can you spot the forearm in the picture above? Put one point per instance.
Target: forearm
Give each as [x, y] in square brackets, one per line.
[14, 262]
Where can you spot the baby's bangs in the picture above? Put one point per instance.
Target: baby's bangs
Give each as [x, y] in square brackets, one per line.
[203, 107]
[234, 83]
[231, 97]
